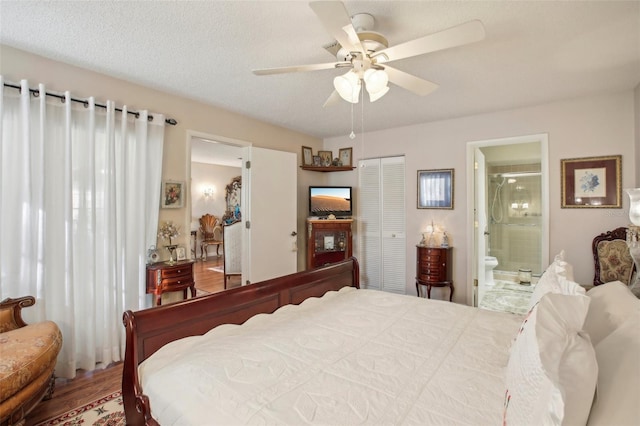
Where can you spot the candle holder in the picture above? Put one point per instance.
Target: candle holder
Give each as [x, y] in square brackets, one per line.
[633, 242]
[172, 249]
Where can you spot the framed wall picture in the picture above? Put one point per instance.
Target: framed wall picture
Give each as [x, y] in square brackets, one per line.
[345, 156]
[326, 157]
[307, 156]
[592, 182]
[172, 196]
[181, 253]
[435, 189]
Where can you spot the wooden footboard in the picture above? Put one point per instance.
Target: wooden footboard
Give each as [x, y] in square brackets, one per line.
[150, 329]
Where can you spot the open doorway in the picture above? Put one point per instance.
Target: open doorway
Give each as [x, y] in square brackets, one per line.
[508, 220]
[214, 166]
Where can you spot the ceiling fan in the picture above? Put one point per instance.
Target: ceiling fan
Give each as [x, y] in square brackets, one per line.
[366, 53]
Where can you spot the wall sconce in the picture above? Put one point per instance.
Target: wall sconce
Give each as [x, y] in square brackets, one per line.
[208, 192]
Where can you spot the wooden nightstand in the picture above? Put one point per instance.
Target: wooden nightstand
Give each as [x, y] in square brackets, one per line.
[162, 278]
[433, 268]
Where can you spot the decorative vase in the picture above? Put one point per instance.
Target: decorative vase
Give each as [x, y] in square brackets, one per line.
[171, 249]
[634, 205]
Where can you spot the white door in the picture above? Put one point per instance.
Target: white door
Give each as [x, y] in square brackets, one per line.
[381, 224]
[270, 210]
[480, 189]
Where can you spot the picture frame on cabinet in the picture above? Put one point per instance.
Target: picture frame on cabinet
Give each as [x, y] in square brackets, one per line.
[307, 156]
[344, 154]
[325, 157]
[181, 253]
[172, 196]
[317, 161]
[435, 189]
[592, 182]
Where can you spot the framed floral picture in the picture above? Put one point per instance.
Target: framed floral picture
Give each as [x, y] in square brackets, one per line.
[172, 196]
[345, 156]
[592, 182]
[325, 157]
[307, 156]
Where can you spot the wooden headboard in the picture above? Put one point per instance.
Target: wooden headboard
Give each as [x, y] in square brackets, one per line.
[150, 329]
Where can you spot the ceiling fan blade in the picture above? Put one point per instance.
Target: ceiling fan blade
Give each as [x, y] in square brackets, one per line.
[298, 68]
[335, 18]
[468, 32]
[410, 82]
[333, 99]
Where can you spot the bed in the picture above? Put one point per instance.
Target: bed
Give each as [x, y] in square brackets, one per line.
[313, 348]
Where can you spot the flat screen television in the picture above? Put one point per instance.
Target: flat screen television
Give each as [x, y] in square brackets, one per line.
[326, 200]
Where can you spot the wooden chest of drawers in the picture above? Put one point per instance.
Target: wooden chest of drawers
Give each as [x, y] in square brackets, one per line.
[162, 278]
[433, 268]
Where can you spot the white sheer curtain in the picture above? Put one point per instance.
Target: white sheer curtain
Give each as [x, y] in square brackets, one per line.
[80, 189]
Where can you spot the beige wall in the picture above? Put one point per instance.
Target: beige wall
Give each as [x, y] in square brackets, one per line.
[191, 115]
[599, 125]
[637, 136]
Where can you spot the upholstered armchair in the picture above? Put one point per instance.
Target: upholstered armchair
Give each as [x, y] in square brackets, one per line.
[211, 233]
[28, 355]
[611, 256]
[232, 251]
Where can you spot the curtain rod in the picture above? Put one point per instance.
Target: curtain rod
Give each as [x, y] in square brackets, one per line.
[36, 92]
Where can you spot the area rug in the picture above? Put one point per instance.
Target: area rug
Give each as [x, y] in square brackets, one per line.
[105, 411]
[216, 269]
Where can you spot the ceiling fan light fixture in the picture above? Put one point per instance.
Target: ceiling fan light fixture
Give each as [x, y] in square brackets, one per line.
[377, 95]
[376, 80]
[348, 86]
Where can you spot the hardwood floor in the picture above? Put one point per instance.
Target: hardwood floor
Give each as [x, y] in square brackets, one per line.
[88, 386]
[210, 280]
[69, 394]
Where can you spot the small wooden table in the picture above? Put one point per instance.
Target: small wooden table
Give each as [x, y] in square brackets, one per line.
[163, 277]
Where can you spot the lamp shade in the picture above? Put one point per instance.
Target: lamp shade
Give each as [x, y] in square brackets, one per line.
[348, 87]
[376, 80]
[634, 206]
[375, 96]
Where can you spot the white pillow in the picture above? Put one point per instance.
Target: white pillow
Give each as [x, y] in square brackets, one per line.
[616, 401]
[550, 280]
[611, 305]
[552, 370]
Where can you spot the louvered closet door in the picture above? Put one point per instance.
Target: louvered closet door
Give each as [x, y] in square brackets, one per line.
[381, 224]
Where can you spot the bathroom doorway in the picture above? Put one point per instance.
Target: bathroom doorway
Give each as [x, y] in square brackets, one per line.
[508, 219]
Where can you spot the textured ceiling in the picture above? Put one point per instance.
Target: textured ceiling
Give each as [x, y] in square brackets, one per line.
[534, 52]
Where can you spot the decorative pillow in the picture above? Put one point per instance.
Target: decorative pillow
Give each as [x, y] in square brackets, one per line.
[616, 401]
[552, 370]
[611, 305]
[550, 281]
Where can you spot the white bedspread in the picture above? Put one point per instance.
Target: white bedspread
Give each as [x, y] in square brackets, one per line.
[350, 357]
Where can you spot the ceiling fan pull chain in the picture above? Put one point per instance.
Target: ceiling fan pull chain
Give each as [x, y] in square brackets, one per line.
[352, 135]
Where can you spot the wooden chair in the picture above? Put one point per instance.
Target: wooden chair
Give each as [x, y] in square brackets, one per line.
[211, 235]
[611, 256]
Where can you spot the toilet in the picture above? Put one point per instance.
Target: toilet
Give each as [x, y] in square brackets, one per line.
[490, 262]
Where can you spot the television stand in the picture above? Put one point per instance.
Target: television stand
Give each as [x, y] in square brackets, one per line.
[328, 241]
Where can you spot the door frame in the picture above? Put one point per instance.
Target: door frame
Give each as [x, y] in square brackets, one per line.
[219, 139]
[543, 139]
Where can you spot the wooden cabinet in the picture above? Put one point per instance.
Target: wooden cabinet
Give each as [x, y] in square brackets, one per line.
[433, 268]
[328, 241]
[162, 278]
